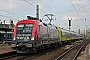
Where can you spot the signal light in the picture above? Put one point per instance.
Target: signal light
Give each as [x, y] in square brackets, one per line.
[69, 22]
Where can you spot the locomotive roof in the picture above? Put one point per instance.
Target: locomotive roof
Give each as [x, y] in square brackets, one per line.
[51, 26]
[26, 21]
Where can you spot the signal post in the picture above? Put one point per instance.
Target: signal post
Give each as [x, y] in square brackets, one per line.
[69, 26]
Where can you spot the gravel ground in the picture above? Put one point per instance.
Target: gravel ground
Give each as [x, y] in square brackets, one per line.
[4, 48]
[85, 55]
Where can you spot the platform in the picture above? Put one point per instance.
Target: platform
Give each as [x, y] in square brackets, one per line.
[85, 55]
[4, 48]
[87, 52]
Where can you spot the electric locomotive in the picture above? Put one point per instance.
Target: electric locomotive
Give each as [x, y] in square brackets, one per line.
[31, 34]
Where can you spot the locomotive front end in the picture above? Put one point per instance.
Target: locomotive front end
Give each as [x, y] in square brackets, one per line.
[24, 37]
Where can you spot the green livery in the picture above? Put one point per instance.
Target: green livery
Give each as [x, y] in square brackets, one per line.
[66, 35]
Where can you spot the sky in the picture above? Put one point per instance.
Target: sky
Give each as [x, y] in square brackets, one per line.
[78, 11]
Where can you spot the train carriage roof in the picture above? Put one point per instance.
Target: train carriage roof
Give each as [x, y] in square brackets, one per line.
[72, 32]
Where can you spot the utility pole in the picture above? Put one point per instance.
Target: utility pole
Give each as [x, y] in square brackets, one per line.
[79, 31]
[37, 11]
[85, 29]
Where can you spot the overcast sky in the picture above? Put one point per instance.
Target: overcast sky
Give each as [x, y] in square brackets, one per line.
[77, 10]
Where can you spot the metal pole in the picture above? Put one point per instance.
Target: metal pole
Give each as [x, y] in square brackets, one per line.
[69, 26]
[37, 11]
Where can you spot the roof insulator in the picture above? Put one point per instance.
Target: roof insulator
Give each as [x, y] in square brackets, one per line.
[29, 17]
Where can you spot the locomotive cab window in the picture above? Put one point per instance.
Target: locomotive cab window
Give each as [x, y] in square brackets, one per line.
[21, 25]
[24, 31]
[24, 28]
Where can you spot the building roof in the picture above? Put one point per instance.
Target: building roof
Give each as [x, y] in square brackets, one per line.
[5, 27]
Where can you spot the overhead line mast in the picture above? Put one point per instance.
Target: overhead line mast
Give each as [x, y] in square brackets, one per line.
[37, 11]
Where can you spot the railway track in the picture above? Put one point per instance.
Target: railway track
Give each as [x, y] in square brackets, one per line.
[10, 56]
[16, 56]
[73, 52]
[52, 54]
[28, 56]
[49, 54]
[31, 56]
[19, 57]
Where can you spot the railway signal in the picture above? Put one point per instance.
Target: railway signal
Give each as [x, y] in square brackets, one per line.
[69, 23]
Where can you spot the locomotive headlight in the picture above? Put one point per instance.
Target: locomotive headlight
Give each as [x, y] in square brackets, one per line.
[14, 38]
[13, 45]
[32, 38]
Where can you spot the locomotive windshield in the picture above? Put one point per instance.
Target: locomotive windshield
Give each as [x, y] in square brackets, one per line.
[24, 31]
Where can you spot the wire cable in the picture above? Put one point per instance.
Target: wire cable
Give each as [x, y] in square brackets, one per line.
[47, 6]
[11, 13]
[76, 10]
[33, 5]
[5, 16]
[81, 13]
